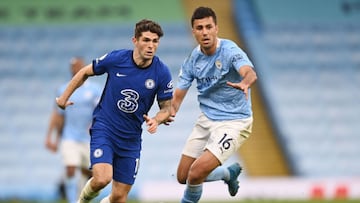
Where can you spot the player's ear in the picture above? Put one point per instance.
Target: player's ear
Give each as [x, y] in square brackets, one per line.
[134, 40]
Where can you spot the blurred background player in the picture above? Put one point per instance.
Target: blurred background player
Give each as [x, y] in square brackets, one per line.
[72, 133]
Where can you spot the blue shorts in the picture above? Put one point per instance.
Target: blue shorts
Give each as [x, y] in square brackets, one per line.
[125, 162]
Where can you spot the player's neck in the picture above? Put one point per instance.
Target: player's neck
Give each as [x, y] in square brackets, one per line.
[141, 62]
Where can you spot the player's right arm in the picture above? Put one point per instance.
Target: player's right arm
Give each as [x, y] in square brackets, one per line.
[178, 97]
[78, 79]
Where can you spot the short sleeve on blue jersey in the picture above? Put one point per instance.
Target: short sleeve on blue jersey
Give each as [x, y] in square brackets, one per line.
[101, 64]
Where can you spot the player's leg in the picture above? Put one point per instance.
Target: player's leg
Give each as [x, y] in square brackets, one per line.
[193, 148]
[125, 171]
[71, 180]
[227, 138]
[228, 174]
[198, 172]
[102, 176]
[86, 173]
[101, 156]
[222, 150]
[184, 167]
[72, 160]
[119, 193]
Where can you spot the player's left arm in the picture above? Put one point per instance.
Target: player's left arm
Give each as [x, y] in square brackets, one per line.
[161, 116]
[249, 77]
[55, 124]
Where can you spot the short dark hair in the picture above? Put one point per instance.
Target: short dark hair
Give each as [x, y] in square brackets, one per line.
[147, 25]
[203, 12]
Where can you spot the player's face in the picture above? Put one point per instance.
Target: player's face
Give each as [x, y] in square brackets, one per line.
[205, 32]
[146, 45]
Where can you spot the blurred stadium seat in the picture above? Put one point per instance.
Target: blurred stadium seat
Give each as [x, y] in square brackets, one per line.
[307, 59]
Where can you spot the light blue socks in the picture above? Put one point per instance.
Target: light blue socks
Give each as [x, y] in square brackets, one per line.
[192, 193]
[219, 173]
[71, 189]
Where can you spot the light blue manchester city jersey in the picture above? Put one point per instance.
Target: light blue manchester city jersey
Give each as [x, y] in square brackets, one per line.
[78, 117]
[218, 101]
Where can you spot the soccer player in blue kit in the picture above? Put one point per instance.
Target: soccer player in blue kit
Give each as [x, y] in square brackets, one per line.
[224, 75]
[72, 132]
[134, 79]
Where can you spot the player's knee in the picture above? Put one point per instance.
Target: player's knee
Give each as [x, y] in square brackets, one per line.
[118, 197]
[196, 176]
[101, 182]
[181, 179]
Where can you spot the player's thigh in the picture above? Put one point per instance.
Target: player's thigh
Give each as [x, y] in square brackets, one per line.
[70, 153]
[227, 137]
[102, 174]
[202, 167]
[183, 168]
[196, 142]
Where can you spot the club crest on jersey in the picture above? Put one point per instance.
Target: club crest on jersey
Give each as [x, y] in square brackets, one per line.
[149, 84]
[98, 153]
[218, 64]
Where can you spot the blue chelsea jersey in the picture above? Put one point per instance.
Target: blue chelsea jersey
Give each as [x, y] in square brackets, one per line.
[129, 92]
[218, 101]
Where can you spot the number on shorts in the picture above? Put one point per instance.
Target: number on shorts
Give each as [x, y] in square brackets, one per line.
[226, 144]
[137, 162]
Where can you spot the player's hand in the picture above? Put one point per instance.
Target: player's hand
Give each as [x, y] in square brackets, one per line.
[171, 117]
[63, 104]
[240, 86]
[50, 145]
[169, 120]
[151, 123]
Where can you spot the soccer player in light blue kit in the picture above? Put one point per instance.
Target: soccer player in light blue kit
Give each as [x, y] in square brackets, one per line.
[72, 129]
[134, 79]
[223, 74]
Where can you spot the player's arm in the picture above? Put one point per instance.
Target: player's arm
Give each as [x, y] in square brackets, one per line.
[249, 77]
[178, 97]
[161, 116]
[78, 79]
[56, 124]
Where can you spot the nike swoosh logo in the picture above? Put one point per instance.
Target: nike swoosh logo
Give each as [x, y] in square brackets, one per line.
[120, 75]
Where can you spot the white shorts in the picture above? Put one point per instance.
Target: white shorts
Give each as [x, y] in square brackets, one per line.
[221, 138]
[75, 153]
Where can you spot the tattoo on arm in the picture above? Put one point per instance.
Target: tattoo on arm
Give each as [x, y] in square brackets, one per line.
[164, 113]
[165, 105]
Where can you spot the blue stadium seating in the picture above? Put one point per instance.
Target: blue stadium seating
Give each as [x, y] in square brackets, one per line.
[309, 73]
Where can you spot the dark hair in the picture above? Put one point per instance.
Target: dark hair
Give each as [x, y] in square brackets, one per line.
[203, 12]
[147, 25]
